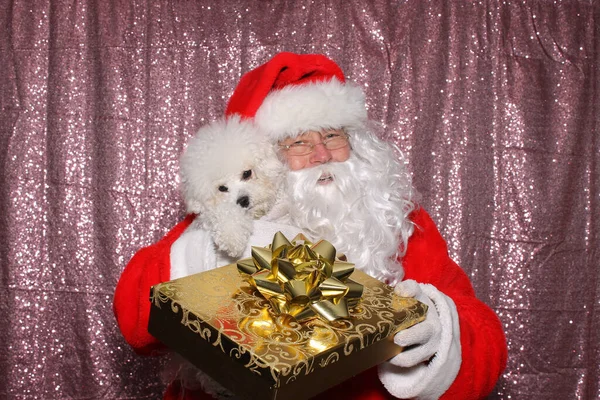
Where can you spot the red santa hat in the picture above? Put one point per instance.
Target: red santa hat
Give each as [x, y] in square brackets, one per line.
[294, 93]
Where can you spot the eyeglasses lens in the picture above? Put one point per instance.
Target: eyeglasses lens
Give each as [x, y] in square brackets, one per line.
[332, 143]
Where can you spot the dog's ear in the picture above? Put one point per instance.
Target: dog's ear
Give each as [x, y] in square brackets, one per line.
[194, 203]
[272, 167]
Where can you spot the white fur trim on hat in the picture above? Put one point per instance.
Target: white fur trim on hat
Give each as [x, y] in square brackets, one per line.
[313, 106]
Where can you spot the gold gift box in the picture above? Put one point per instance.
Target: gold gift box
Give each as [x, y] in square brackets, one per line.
[218, 323]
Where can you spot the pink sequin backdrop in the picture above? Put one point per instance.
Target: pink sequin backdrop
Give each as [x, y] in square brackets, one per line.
[495, 105]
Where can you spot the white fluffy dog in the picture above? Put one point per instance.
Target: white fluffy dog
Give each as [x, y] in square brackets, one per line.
[230, 177]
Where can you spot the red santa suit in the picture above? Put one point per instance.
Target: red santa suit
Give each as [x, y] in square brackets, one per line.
[483, 345]
[290, 94]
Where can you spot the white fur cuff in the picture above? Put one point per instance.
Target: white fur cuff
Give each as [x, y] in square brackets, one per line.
[192, 252]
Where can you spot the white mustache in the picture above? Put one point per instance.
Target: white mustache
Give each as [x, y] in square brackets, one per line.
[353, 197]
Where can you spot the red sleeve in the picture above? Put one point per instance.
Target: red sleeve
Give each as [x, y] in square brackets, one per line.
[483, 344]
[131, 304]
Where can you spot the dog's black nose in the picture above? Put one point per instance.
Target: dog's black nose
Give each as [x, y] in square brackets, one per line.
[243, 201]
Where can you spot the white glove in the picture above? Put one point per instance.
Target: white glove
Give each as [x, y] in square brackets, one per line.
[421, 341]
[432, 356]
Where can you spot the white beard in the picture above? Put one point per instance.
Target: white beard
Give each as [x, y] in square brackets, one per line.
[362, 211]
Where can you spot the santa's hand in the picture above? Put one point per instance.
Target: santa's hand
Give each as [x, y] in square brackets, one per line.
[421, 341]
[431, 358]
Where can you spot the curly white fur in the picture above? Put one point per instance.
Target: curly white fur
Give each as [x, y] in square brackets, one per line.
[230, 176]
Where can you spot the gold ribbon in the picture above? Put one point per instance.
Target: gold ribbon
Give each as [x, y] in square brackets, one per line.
[302, 280]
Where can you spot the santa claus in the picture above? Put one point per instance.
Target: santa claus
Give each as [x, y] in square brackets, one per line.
[349, 187]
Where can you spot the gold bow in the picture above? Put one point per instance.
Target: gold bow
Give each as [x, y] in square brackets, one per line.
[302, 280]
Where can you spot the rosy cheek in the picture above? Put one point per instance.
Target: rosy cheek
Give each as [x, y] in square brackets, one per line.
[296, 163]
[340, 155]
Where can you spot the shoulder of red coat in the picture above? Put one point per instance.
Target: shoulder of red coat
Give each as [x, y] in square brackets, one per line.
[421, 218]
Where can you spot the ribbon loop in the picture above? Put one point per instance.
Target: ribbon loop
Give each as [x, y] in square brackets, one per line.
[302, 280]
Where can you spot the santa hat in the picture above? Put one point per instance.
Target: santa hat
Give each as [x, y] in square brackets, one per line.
[293, 93]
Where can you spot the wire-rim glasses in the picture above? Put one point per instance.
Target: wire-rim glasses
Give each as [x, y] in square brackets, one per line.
[333, 140]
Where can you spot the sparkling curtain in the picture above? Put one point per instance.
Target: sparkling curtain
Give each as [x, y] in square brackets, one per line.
[494, 104]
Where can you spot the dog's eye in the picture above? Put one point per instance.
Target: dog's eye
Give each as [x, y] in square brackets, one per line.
[247, 174]
[223, 188]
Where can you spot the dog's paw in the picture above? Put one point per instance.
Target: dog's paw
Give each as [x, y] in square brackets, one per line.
[232, 230]
[233, 240]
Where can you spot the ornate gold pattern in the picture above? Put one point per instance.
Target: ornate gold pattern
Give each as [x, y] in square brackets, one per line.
[222, 309]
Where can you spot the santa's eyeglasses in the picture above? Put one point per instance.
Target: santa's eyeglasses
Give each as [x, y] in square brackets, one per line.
[332, 140]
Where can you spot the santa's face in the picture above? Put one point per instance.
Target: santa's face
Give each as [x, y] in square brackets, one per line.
[314, 148]
[320, 178]
[359, 200]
